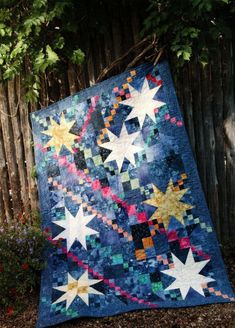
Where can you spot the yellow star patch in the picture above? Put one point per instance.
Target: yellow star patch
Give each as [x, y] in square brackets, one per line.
[60, 135]
[168, 204]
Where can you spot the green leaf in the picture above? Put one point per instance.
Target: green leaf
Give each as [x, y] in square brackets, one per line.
[204, 63]
[9, 73]
[19, 49]
[179, 53]
[32, 96]
[34, 21]
[59, 9]
[34, 173]
[186, 55]
[39, 63]
[78, 56]
[32, 85]
[52, 56]
[59, 42]
[2, 31]
[37, 4]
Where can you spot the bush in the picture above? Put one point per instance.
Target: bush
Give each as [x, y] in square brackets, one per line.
[21, 249]
[190, 27]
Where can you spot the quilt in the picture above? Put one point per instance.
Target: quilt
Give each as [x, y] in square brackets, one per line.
[122, 204]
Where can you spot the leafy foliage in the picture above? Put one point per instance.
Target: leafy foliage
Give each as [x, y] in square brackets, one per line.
[41, 35]
[193, 26]
[35, 35]
[21, 248]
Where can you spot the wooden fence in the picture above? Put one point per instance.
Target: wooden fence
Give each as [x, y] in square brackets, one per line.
[206, 97]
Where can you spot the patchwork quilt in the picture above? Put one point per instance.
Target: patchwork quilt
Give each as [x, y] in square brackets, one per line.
[122, 204]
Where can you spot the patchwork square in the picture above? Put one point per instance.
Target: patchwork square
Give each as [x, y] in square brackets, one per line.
[121, 203]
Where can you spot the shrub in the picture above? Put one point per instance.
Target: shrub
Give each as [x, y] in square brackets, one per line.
[21, 249]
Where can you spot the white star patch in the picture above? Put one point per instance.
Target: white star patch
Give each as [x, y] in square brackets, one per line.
[75, 228]
[143, 103]
[187, 275]
[80, 287]
[122, 147]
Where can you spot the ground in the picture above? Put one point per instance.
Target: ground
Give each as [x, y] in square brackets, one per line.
[215, 315]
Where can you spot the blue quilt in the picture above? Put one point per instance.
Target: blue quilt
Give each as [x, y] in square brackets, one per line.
[122, 204]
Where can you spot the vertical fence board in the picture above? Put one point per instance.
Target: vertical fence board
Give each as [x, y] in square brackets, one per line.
[188, 109]
[27, 141]
[73, 87]
[108, 46]
[229, 131]
[117, 33]
[135, 26]
[209, 144]
[6, 209]
[43, 102]
[2, 210]
[198, 122]
[61, 80]
[17, 138]
[217, 110]
[10, 153]
[89, 62]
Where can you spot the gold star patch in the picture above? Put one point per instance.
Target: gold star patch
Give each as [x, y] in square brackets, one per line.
[168, 204]
[60, 135]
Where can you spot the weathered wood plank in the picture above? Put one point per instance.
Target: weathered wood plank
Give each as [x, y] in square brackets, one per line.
[229, 132]
[117, 33]
[198, 122]
[72, 81]
[209, 146]
[179, 87]
[44, 101]
[13, 103]
[53, 88]
[62, 80]
[188, 109]
[217, 111]
[97, 55]
[108, 46]
[6, 212]
[2, 209]
[135, 24]
[27, 141]
[89, 62]
[127, 37]
[10, 152]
